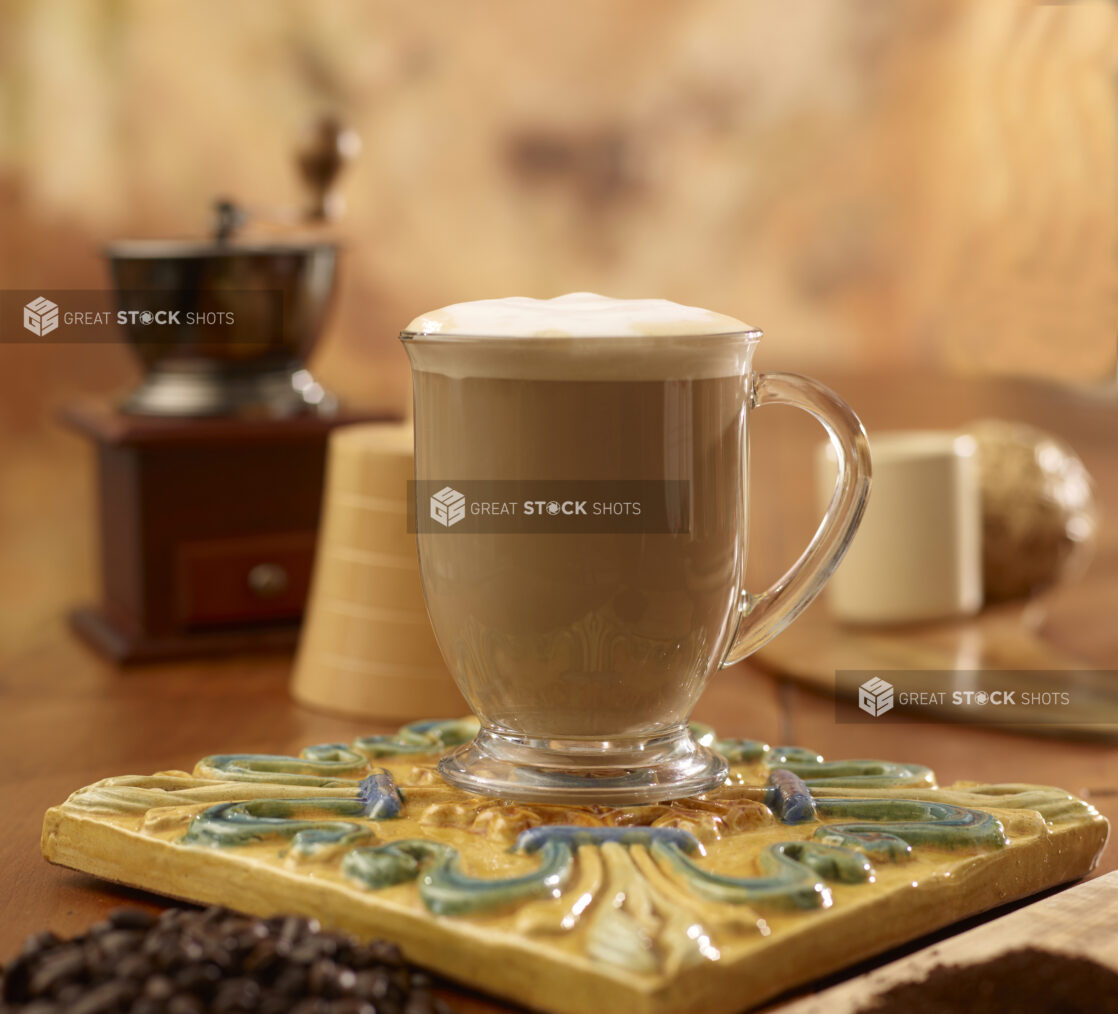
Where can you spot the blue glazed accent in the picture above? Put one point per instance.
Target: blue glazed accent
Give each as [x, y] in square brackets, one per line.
[536, 838]
[789, 798]
[395, 863]
[836, 864]
[866, 774]
[382, 799]
[430, 736]
[893, 826]
[863, 774]
[792, 874]
[444, 888]
[880, 845]
[327, 765]
[305, 822]
[300, 820]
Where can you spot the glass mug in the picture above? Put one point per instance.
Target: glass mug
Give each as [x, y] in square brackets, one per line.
[582, 654]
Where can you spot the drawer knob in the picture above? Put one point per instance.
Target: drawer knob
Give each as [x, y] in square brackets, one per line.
[267, 580]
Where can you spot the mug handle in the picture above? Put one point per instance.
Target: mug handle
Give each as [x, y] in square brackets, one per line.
[766, 615]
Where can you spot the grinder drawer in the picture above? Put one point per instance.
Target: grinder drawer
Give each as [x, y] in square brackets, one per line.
[244, 579]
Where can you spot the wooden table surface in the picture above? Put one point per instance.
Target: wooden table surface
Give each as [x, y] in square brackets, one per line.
[68, 718]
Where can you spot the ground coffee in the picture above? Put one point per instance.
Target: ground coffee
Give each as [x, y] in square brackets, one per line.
[1025, 981]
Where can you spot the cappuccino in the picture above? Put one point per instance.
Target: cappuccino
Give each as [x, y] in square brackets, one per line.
[577, 635]
[583, 644]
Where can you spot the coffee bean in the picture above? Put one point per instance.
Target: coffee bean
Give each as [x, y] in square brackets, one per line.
[236, 995]
[311, 1005]
[290, 930]
[172, 917]
[264, 964]
[215, 952]
[43, 941]
[327, 945]
[292, 980]
[56, 969]
[118, 942]
[197, 978]
[41, 1007]
[184, 1003]
[323, 977]
[377, 952]
[17, 976]
[346, 980]
[373, 984]
[187, 961]
[352, 1005]
[132, 919]
[134, 966]
[109, 996]
[191, 949]
[159, 987]
[420, 1003]
[235, 941]
[69, 995]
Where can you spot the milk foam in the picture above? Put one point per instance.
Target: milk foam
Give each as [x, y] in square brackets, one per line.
[575, 315]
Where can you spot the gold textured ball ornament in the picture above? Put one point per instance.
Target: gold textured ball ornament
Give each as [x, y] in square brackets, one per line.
[1039, 517]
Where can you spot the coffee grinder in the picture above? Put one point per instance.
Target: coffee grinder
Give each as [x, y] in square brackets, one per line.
[210, 473]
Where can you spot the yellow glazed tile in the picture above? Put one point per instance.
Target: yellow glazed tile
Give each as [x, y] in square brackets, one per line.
[793, 869]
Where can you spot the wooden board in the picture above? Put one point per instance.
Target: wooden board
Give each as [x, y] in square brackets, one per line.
[794, 869]
[1082, 921]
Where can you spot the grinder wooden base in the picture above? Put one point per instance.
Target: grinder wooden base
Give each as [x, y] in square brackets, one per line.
[206, 530]
[792, 870]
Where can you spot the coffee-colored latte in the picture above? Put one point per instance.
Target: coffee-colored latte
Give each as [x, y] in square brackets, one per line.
[576, 635]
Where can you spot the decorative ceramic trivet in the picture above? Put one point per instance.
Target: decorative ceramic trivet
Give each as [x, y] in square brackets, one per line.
[795, 868]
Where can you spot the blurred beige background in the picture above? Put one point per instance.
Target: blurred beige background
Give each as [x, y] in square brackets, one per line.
[908, 184]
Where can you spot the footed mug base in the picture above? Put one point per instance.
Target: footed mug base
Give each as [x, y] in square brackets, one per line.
[585, 772]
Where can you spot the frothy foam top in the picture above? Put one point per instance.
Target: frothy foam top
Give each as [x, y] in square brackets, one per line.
[577, 314]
